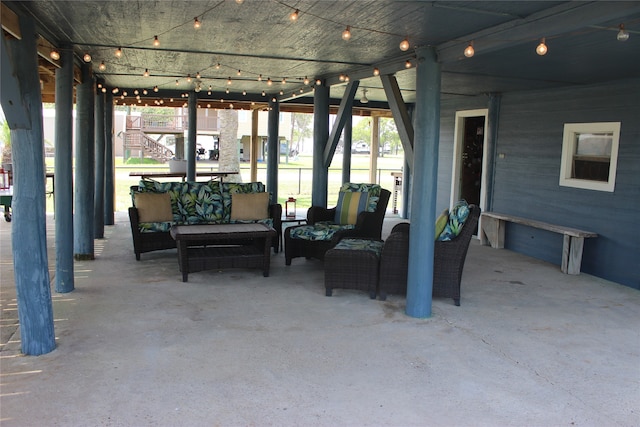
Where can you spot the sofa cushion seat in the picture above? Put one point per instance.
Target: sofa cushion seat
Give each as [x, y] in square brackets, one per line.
[322, 230]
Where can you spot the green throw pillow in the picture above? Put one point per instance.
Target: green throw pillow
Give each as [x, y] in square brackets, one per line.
[441, 222]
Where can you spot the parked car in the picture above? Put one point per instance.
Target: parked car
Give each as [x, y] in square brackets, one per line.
[360, 148]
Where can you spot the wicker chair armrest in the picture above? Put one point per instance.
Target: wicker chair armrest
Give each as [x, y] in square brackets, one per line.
[318, 213]
[402, 227]
[134, 217]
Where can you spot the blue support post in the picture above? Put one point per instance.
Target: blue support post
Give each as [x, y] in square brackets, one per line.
[98, 199]
[320, 173]
[63, 173]
[273, 147]
[85, 158]
[191, 135]
[28, 231]
[109, 167]
[346, 153]
[424, 187]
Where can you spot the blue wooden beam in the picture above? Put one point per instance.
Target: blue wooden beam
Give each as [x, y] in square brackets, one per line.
[28, 231]
[346, 153]
[98, 199]
[63, 173]
[344, 113]
[85, 159]
[400, 114]
[192, 131]
[320, 173]
[424, 186]
[273, 147]
[109, 187]
[14, 110]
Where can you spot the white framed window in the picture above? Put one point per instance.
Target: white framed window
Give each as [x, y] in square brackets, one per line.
[590, 155]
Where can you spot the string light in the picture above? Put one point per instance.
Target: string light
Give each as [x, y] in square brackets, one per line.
[155, 89]
[376, 71]
[118, 52]
[469, 51]
[229, 81]
[196, 23]
[294, 15]
[404, 45]
[623, 35]
[284, 80]
[260, 78]
[346, 34]
[198, 75]
[542, 48]
[346, 77]
[156, 42]
[102, 66]
[306, 80]
[188, 78]
[177, 83]
[146, 72]
[218, 66]
[54, 54]
[263, 94]
[239, 1]
[341, 78]
[269, 82]
[407, 64]
[239, 72]
[87, 57]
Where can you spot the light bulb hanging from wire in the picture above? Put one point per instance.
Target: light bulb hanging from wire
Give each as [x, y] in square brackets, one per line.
[54, 54]
[156, 42]
[404, 45]
[346, 34]
[86, 57]
[294, 15]
[469, 51]
[623, 35]
[118, 52]
[542, 47]
[196, 24]
[102, 66]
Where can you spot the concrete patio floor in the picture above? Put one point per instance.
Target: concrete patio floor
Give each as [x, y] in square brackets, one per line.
[529, 346]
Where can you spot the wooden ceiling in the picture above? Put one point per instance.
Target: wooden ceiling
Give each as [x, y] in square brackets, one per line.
[242, 44]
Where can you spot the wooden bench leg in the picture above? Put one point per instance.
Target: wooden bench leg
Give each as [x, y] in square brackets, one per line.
[492, 232]
[572, 254]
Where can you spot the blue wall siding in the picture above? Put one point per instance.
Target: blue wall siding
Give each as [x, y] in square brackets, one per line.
[530, 136]
[526, 179]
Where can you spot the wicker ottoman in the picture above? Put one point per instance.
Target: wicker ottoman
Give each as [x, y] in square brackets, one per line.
[353, 264]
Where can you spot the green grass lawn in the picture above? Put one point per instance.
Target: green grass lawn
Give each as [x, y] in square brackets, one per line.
[294, 177]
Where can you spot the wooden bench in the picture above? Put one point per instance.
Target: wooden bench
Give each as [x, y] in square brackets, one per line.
[492, 233]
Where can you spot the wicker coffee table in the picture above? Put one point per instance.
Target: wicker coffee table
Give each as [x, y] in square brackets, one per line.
[205, 247]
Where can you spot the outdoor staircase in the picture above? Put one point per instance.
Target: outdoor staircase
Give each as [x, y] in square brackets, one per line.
[138, 140]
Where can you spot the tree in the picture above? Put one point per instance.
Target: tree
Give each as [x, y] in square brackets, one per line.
[389, 134]
[229, 160]
[302, 128]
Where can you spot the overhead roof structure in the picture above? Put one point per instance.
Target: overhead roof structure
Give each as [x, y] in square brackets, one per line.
[253, 51]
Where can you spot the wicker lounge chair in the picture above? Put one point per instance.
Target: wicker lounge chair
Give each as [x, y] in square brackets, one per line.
[449, 257]
[368, 225]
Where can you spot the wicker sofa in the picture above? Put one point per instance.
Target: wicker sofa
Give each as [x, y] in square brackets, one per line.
[322, 232]
[448, 263]
[159, 205]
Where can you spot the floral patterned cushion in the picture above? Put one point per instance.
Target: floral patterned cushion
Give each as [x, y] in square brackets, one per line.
[318, 231]
[360, 245]
[228, 188]
[457, 216]
[374, 191]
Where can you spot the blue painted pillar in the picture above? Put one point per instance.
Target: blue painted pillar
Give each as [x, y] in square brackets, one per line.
[28, 231]
[424, 186]
[492, 141]
[85, 158]
[347, 140]
[98, 199]
[109, 166]
[273, 147]
[191, 135]
[63, 172]
[320, 173]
